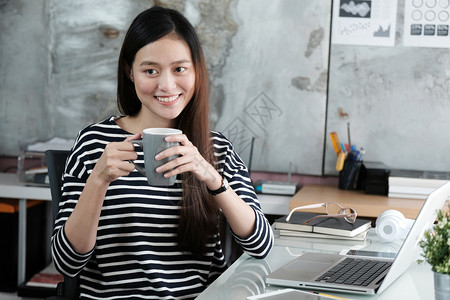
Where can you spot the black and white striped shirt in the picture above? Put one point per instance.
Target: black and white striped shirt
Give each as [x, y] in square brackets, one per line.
[136, 254]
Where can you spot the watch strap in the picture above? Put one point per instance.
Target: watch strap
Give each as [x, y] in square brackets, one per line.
[220, 190]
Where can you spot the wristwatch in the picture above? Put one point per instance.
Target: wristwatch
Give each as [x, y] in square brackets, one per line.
[222, 189]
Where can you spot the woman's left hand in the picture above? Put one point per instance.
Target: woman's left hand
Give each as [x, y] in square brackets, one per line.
[189, 160]
[239, 214]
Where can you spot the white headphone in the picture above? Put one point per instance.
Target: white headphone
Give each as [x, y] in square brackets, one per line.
[392, 225]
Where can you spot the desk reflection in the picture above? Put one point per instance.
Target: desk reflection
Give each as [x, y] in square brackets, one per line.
[248, 279]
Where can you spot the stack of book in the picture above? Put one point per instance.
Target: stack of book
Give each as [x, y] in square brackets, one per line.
[48, 278]
[42, 284]
[325, 228]
[414, 184]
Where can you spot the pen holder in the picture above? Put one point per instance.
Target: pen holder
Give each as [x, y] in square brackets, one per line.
[349, 177]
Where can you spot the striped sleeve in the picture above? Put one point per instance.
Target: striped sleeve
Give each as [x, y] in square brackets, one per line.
[231, 166]
[66, 259]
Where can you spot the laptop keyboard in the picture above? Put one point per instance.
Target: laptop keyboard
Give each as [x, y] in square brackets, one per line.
[355, 271]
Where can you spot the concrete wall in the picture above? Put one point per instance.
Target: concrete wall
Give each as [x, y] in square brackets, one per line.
[268, 63]
[397, 100]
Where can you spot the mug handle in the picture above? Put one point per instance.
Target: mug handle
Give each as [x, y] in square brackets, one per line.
[138, 168]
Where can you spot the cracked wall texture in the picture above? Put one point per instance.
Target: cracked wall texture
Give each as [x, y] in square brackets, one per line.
[268, 65]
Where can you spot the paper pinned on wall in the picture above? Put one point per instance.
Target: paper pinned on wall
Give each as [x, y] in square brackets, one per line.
[369, 23]
[426, 23]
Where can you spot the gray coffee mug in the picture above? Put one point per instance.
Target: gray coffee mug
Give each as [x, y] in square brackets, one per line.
[152, 143]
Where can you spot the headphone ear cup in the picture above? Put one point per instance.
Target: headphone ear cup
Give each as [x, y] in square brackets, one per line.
[391, 225]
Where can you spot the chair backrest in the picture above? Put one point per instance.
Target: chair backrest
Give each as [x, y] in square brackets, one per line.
[56, 161]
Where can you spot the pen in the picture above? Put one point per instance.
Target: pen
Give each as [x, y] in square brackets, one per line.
[340, 161]
[343, 147]
[361, 154]
[337, 148]
[329, 296]
[335, 141]
[348, 132]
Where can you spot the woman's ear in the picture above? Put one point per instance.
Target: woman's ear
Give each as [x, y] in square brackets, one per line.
[129, 72]
[130, 75]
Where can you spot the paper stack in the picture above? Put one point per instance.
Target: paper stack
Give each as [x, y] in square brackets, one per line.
[414, 184]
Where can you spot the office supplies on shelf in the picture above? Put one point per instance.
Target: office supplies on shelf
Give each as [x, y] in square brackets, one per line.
[31, 168]
[340, 161]
[332, 226]
[348, 133]
[276, 187]
[349, 178]
[375, 177]
[48, 277]
[55, 143]
[418, 178]
[308, 269]
[415, 184]
[412, 195]
[335, 141]
[348, 163]
[339, 149]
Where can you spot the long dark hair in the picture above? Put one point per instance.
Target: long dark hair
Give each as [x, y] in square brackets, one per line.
[199, 213]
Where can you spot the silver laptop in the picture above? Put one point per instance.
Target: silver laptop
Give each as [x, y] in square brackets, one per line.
[313, 270]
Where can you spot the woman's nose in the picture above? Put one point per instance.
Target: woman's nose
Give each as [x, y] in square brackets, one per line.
[167, 82]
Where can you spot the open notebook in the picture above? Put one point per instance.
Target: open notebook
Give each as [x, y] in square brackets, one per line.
[317, 270]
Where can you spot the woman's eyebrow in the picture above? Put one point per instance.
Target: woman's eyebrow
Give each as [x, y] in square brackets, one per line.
[182, 61]
[152, 63]
[148, 63]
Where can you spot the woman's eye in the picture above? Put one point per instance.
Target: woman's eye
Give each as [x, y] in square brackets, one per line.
[151, 71]
[179, 69]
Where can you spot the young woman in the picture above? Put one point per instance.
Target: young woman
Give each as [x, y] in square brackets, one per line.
[126, 238]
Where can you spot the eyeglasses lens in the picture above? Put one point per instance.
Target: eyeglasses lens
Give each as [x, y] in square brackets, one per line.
[351, 219]
[334, 209]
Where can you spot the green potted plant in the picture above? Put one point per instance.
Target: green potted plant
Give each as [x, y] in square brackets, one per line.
[436, 251]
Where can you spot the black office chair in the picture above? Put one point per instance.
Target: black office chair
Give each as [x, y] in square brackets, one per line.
[56, 160]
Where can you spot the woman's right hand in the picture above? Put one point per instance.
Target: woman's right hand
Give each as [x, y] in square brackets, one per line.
[81, 227]
[114, 161]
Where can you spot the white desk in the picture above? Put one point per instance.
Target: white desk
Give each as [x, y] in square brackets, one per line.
[11, 187]
[246, 277]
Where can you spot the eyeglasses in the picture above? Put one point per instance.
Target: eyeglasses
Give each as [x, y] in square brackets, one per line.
[333, 209]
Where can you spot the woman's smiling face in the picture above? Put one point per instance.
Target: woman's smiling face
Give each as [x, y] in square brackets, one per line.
[164, 78]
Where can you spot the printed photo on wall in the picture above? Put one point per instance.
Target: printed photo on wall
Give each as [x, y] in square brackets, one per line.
[370, 23]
